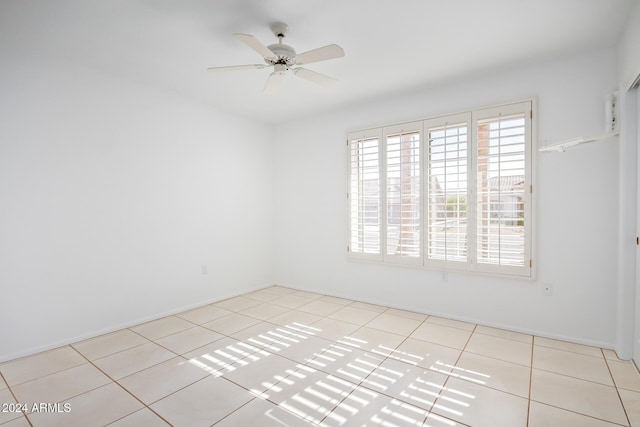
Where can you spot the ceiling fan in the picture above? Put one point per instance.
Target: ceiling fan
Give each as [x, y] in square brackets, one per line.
[283, 58]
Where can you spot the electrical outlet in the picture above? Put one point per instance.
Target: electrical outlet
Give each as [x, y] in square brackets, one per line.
[548, 289]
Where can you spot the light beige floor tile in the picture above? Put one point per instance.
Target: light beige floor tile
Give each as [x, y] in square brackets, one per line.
[572, 364]
[20, 421]
[500, 348]
[263, 335]
[350, 314]
[541, 415]
[412, 384]
[310, 394]
[303, 327]
[11, 412]
[62, 385]
[394, 324]
[489, 372]
[370, 307]
[584, 397]
[502, 333]
[237, 303]
[261, 374]
[265, 311]
[127, 362]
[143, 417]
[189, 339]
[610, 354]
[631, 402]
[221, 356]
[303, 349]
[263, 295]
[227, 325]
[95, 408]
[365, 407]
[158, 381]
[320, 308]
[295, 318]
[292, 334]
[291, 301]
[310, 295]
[443, 335]
[162, 327]
[435, 420]
[105, 345]
[336, 300]
[332, 329]
[346, 362]
[204, 314]
[476, 405]
[262, 413]
[29, 368]
[451, 323]
[427, 355]
[374, 340]
[203, 403]
[315, 359]
[625, 374]
[281, 290]
[407, 314]
[569, 346]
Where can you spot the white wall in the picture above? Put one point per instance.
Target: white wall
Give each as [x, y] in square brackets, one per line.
[112, 198]
[576, 194]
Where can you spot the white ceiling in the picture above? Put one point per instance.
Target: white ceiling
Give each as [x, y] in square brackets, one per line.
[390, 45]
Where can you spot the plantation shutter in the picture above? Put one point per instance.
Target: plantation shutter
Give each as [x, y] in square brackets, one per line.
[365, 196]
[447, 189]
[503, 181]
[450, 193]
[403, 193]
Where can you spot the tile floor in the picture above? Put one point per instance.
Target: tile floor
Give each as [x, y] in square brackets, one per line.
[281, 357]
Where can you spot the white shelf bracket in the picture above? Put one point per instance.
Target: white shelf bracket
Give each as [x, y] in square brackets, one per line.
[612, 127]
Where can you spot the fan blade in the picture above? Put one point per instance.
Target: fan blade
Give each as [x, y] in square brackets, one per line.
[312, 76]
[273, 82]
[331, 51]
[236, 67]
[255, 44]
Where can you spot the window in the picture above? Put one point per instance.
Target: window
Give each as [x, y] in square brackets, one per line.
[452, 192]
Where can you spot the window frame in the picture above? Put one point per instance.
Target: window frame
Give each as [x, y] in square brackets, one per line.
[528, 108]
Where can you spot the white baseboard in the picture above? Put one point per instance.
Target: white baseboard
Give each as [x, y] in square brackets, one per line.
[535, 332]
[75, 339]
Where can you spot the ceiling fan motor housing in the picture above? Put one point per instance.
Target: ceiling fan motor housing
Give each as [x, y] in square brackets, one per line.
[285, 53]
